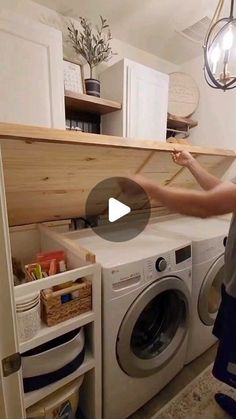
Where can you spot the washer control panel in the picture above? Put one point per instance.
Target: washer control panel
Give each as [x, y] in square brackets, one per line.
[161, 265]
[155, 267]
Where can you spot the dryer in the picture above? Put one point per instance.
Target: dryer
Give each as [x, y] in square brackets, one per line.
[208, 244]
[146, 304]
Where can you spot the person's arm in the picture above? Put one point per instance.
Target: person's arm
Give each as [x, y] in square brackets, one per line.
[205, 179]
[218, 201]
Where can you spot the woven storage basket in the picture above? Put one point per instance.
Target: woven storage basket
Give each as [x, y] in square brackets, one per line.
[54, 311]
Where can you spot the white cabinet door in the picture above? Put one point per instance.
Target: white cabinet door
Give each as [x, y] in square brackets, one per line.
[11, 391]
[143, 93]
[31, 73]
[147, 103]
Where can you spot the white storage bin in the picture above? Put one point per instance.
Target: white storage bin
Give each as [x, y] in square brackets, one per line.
[61, 404]
[53, 360]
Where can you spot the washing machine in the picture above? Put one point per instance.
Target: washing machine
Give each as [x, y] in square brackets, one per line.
[208, 246]
[146, 304]
[227, 217]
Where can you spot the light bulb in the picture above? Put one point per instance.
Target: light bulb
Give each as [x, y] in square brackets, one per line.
[215, 56]
[228, 39]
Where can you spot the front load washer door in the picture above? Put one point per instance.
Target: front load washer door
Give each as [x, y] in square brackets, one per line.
[210, 293]
[154, 327]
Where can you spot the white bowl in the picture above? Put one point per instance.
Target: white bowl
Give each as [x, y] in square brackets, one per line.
[29, 302]
[23, 309]
[28, 299]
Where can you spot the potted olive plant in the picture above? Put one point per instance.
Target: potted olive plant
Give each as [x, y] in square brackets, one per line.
[93, 44]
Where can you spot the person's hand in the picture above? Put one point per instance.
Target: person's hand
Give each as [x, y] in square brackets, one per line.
[182, 158]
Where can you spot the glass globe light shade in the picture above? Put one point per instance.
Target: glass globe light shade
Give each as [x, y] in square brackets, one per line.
[220, 55]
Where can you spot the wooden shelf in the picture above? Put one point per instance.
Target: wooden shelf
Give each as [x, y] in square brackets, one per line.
[48, 333]
[37, 395]
[72, 275]
[26, 134]
[181, 124]
[91, 104]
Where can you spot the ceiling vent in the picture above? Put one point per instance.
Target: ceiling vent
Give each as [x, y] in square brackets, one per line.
[197, 32]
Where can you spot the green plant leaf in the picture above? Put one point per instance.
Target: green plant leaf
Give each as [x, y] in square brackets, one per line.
[93, 44]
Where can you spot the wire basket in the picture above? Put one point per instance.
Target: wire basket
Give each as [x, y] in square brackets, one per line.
[58, 306]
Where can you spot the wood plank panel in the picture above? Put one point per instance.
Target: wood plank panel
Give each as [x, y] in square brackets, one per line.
[51, 180]
[214, 164]
[38, 134]
[47, 167]
[160, 168]
[24, 208]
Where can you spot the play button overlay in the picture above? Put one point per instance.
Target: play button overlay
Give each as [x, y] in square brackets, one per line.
[118, 209]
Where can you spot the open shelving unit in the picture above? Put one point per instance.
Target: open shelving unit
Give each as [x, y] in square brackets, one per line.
[47, 333]
[83, 112]
[26, 238]
[180, 125]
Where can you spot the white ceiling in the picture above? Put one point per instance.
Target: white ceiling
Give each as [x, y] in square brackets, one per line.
[147, 24]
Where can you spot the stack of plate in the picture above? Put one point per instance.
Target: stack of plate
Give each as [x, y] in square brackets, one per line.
[28, 316]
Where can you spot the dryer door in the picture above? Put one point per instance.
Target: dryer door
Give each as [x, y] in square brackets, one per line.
[210, 293]
[154, 327]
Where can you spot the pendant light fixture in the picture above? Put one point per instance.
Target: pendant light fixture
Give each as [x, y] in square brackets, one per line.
[220, 50]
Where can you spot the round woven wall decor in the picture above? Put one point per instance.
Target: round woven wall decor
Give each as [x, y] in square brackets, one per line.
[183, 95]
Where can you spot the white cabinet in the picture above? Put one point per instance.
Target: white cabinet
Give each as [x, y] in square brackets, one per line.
[143, 93]
[31, 73]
